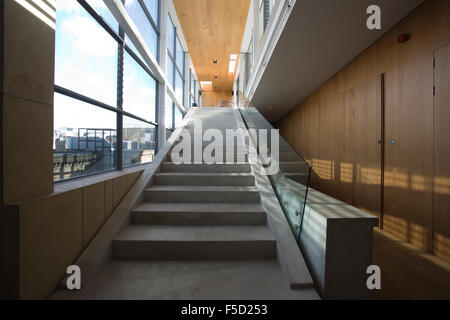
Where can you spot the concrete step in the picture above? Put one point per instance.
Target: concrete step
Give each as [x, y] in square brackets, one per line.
[203, 194]
[204, 151]
[236, 168]
[188, 280]
[195, 243]
[237, 157]
[203, 179]
[198, 214]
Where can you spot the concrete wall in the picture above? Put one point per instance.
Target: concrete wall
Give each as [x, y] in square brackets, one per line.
[53, 230]
[27, 95]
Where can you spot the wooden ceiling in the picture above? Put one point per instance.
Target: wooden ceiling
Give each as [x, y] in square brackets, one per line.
[213, 29]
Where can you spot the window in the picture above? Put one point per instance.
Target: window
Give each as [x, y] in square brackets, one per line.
[265, 9]
[105, 95]
[140, 13]
[178, 117]
[179, 56]
[171, 38]
[139, 90]
[169, 116]
[84, 139]
[192, 89]
[248, 63]
[86, 55]
[179, 87]
[153, 9]
[139, 142]
[175, 62]
[103, 11]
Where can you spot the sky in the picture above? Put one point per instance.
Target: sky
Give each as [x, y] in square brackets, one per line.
[86, 62]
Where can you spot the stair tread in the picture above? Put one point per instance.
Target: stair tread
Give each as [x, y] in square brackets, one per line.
[205, 174]
[205, 164]
[198, 207]
[246, 280]
[201, 188]
[196, 233]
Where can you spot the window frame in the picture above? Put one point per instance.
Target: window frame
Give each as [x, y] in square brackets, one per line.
[173, 59]
[119, 37]
[155, 24]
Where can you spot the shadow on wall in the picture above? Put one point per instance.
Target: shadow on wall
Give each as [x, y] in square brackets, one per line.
[340, 179]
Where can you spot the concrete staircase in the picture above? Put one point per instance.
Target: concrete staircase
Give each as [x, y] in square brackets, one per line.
[199, 233]
[196, 230]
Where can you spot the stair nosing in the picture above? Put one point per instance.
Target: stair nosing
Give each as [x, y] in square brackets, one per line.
[190, 207]
[201, 188]
[266, 234]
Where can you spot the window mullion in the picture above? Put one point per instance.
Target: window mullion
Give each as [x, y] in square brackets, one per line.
[119, 138]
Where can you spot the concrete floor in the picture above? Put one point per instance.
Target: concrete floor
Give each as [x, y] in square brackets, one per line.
[202, 280]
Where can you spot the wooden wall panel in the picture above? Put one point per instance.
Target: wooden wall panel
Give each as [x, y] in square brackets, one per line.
[408, 173]
[441, 214]
[214, 98]
[429, 27]
[366, 138]
[346, 166]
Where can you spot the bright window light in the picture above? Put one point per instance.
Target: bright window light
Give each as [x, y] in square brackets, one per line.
[205, 83]
[233, 61]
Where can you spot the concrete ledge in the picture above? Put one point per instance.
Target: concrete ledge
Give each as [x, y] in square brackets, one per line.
[336, 241]
[65, 186]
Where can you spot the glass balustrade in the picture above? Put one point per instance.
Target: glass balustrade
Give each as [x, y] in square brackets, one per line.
[292, 179]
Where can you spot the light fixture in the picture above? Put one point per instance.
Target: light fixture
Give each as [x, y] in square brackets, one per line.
[233, 62]
[215, 61]
[205, 83]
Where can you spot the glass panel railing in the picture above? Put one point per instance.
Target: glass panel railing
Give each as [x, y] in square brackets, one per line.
[292, 179]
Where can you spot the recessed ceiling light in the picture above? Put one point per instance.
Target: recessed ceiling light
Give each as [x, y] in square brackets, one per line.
[215, 61]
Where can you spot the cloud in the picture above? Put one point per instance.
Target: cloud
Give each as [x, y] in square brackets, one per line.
[72, 113]
[129, 3]
[68, 6]
[88, 37]
[87, 81]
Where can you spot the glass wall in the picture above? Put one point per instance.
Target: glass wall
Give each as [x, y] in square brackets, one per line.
[145, 16]
[105, 95]
[175, 62]
[192, 89]
[169, 116]
[175, 77]
[265, 10]
[84, 138]
[139, 142]
[248, 63]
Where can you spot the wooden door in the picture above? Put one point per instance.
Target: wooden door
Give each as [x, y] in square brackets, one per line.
[367, 155]
[408, 176]
[441, 213]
